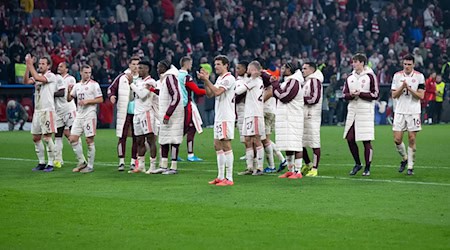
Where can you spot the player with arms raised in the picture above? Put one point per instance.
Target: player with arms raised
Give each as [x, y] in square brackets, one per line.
[44, 109]
[408, 88]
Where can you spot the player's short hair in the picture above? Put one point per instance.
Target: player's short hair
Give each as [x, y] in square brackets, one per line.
[146, 63]
[243, 63]
[134, 58]
[255, 64]
[409, 57]
[224, 59]
[311, 64]
[85, 66]
[184, 60]
[65, 64]
[165, 63]
[360, 57]
[292, 67]
[49, 61]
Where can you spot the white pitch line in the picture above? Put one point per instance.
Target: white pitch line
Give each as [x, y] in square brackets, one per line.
[211, 170]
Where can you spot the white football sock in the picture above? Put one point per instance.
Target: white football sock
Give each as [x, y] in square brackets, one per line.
[164, 162]
[39, 148]
[298, 164]
[250, 154]
[402, 150]
[290, 162]
[229, 159]
[91, 155]
[411, 157]
[141, 160]
[78, 150]
[260, 157]
[58, 148]
[278, 152]
[269, 155]
[152, 163]
[174, 165]
[221, 164]
[121, 161]
[50, 150]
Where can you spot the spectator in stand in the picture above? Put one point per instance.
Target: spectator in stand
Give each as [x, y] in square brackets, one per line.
[16, 114]
[440, 93]
[430, 97]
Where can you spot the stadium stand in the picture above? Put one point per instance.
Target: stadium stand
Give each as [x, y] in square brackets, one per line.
[325, 31]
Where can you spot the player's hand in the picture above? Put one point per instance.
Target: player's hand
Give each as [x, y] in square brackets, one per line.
[166, 121]
[356, 93]
[404, 85]
[203, 74]
[69, 88]
[113, 99]
[29, 59]
[129, 78]
[273, 78]
[82, 102]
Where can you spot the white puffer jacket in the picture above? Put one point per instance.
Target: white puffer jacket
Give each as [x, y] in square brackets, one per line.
[312, 113]
[289, 119]
[171, 133]
[122, 103]
[361, 112]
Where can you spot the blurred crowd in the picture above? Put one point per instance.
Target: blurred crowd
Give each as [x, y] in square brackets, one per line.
[106, 33]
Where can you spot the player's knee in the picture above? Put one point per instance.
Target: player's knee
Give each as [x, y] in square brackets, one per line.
[36, 138]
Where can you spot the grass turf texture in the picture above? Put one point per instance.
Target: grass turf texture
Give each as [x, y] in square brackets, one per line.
[108, 209]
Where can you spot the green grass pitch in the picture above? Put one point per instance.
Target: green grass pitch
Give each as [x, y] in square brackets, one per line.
[112, 210]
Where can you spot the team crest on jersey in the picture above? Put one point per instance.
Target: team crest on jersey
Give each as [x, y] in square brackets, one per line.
[413, 80]
[86, 88]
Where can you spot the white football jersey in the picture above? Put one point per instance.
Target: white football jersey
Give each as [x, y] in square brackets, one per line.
[224, 106]
[407, 103]
[254, 103]
[143, 96]
[61, 104]
[44, 99]
[86, 91]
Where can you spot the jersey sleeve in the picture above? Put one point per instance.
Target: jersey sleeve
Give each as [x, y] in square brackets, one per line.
[50, 77]
[394, 82]
[227, 83]
[421, 82]
[98, 91]
[60, 83]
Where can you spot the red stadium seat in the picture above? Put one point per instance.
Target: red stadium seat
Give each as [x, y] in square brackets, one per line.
[67, 29]
[35, 21]
[78, 29]
[46, 22]
[2, 112]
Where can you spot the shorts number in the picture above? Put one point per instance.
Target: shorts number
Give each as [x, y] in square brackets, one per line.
[88, 127]
[47, 124]
[416, 122]
[144, 123]
[219, 128]
[249, 124]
